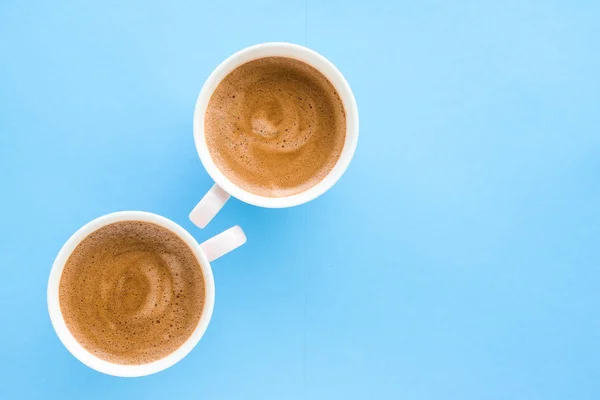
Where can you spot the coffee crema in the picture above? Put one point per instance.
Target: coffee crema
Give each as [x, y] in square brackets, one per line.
[275, 126]
[132, 292]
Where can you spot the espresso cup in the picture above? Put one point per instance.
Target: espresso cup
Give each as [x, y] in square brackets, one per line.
[224, 188]
[205, 253]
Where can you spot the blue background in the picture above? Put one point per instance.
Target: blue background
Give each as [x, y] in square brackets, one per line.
[458, 257]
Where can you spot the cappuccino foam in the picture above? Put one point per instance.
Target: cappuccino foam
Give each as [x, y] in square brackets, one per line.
[275, 126]
[132, 292]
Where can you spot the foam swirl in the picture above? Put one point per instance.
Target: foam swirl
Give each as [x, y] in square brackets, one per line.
[131, 292]
[275, 126]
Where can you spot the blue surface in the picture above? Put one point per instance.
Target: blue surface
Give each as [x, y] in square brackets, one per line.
[458, 258]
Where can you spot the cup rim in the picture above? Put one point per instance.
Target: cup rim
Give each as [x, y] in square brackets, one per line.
[301, 53]
[69, 341]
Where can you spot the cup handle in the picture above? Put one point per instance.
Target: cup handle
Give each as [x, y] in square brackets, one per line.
[223, 243]
[209, 206]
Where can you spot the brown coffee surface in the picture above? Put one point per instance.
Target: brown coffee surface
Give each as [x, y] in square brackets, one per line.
[275, 126]
[132, 292]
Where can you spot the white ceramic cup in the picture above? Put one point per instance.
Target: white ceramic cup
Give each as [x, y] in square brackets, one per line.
[223, 188]
[205, 253]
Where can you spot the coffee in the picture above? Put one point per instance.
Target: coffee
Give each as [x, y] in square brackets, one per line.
[275, 126]
[132, 292]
